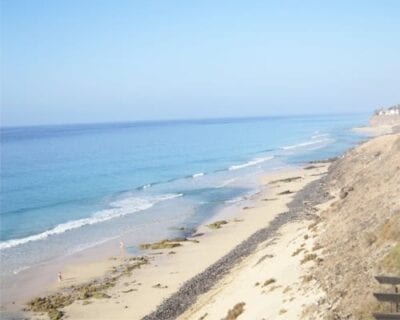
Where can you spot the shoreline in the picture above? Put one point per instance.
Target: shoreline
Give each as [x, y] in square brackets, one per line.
[40, 279]
[227, 238]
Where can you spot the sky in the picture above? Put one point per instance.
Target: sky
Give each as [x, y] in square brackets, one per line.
[80, 61]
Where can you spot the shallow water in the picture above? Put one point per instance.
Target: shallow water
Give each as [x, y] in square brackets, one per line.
[68, 188]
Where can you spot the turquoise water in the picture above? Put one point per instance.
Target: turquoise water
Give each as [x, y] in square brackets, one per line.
[67, 188]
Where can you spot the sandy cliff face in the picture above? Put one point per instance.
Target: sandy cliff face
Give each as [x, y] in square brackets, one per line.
[360, 231]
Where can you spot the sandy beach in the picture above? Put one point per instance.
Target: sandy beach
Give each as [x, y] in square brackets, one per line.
[138, 294]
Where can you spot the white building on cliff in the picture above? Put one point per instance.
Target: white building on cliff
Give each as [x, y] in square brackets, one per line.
[394, 110]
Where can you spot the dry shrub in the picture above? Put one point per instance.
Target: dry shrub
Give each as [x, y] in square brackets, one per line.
[268, 282]
[391, 262]
[235, 312]
[390, 230]
[297, 252]
[370, 238]
[317, 246]
[307, 278]
[309, 257]
[217, 224]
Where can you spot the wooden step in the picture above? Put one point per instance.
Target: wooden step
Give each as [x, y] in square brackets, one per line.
[388, 280]
[386, 316]
[387, 297]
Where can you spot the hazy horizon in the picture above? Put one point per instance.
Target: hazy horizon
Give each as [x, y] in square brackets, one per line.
[166, 120]
[72, 62]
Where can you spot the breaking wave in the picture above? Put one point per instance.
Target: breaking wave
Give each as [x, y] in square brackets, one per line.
[117, 209]
[250, 163]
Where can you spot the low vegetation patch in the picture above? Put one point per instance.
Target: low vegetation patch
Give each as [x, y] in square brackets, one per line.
[268, 282]
[163, 244]
[307, 278]
[309, 257]
[93, 289]
[311, 167]
[203, 316]
[52, 303]
[297, 252]
[269, 199]
[328, 160]
[291, 179]
[235, 312]
[285, 192]
[287, 289]
[344, 192]
[370, 238]
[391, 262]
[314, 224]
[273, 288]
[317, 246]
[129, 290]
[217, 224]
[390, 230]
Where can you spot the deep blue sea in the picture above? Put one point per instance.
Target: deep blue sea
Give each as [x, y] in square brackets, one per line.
[71, 187]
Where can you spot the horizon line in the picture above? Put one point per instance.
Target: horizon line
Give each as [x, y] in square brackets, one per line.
[161, 120]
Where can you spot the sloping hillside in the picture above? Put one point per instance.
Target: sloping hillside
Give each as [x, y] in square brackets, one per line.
[360, 231]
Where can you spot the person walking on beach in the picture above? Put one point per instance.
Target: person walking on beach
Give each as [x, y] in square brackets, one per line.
[59, 277]
[121, 247]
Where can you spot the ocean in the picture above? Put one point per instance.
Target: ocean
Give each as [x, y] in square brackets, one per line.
[67, 188]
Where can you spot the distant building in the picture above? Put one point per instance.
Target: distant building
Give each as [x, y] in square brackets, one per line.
[391, 111]
[386, 116]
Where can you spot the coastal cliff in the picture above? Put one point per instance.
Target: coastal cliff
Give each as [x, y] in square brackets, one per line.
[360, 231]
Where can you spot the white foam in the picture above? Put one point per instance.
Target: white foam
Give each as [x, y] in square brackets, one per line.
[234, 200]
[250, 163]
[305, 144]
[225, 183]
[247, 196]
[118, 209]
[196, 175]
[18, 270]
[90, 245]
[320, 135]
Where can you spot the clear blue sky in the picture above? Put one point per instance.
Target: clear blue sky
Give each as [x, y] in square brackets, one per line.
[70, 61]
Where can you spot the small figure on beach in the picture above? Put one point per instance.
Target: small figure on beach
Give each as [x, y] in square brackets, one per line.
[59, 276]
[121, 247]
